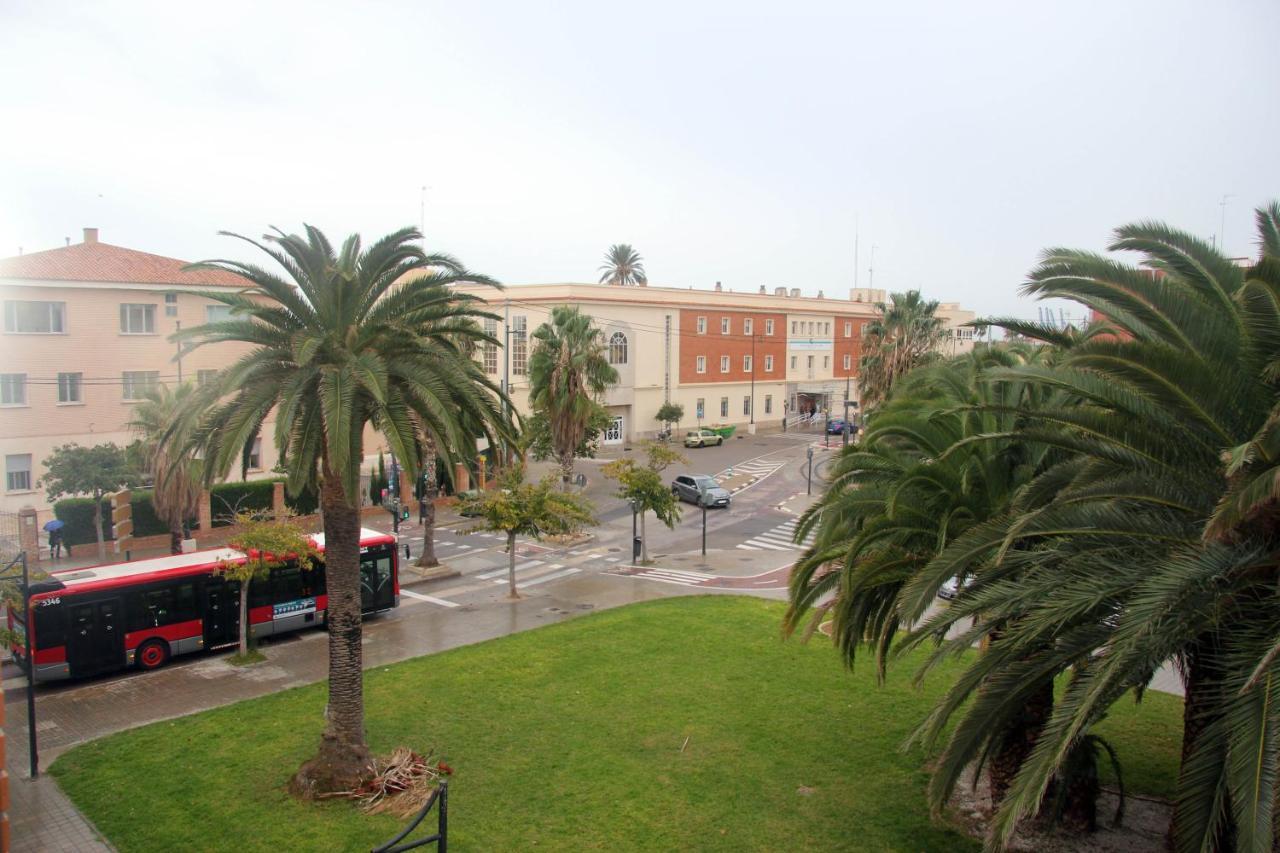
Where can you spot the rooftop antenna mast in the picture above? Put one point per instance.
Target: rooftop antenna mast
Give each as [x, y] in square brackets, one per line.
[855, 251]
[871, 270]
[1222, 224]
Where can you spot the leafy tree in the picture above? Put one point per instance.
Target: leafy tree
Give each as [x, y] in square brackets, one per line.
[345, 339]
[520, 508]
[904, 335]
[267, 544]
[568, 373]
[643, 488]
[623, 266]
[538, 439]
[163, 420]
[670, 413]
[95, 471]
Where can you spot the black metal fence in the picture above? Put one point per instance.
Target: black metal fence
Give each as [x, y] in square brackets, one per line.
[441, 837]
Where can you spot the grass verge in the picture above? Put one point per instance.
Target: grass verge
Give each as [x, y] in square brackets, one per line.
[569, 737]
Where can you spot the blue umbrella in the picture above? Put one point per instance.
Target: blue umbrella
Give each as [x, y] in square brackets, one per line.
[56, 524]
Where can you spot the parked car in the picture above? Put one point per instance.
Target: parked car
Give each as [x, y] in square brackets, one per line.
[702, 438]
[835, 426]
[951, 588]
[700, 489]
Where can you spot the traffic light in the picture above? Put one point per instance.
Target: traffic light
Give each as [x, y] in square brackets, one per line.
[122, 520]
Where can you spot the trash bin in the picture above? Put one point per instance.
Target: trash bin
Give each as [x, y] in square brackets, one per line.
[635, 549]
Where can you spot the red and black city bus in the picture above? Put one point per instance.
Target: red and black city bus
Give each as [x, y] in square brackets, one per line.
[91, 621]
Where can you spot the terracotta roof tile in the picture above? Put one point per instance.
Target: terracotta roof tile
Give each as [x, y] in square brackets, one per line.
[102, 262]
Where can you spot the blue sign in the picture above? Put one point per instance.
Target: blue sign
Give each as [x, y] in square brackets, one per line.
[296, 607]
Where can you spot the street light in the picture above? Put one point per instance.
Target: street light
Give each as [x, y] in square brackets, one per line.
[809, 491]
[753, 379]
[635, 537]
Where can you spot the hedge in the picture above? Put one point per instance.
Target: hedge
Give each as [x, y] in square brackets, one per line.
[225, 499]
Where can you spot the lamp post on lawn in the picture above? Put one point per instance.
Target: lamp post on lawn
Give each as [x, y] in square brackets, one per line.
[809, 491]
[635, 537]
[704, 528]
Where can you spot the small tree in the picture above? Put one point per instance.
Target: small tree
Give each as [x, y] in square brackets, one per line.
[537, 435]
[671, 413]
[95, 471]
[643, 488]
[530, 509]
[266, 544]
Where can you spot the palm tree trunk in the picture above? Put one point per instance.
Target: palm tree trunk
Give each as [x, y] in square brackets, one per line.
[97, 527]
[511, 565]
[566, 470]
[343, 760]
[1200, 682]
[428, 558]
[175, 537]
[1015, 743]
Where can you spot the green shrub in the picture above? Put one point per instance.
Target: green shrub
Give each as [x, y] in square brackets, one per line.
[306, 503]
[77, 514]
[227, 499]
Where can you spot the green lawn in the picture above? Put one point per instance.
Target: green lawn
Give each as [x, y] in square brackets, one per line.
[569, 737]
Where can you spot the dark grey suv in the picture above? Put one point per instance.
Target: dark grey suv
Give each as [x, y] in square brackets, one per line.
[699, 489]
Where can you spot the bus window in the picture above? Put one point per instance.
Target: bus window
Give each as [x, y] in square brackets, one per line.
[50, 627]
[158, 606]
[312, 582]
[286, 584]
[260, 592]
[184, 603]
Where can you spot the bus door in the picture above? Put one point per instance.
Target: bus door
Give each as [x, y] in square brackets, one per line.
[95, 640]
[377, 591]
[221, 607]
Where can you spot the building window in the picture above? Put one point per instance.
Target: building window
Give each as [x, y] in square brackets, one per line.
[826, 361]
[702, 364]
[490, 349]
[137, 319]
[724, 325]
[724, 364]
[702, 325]
[848, 330]
[700, 408]
[35, 318]
[724, 407]
[848, 362]
[768, 404]
[17, 472]
[746, 364]
[138, 382]
[519, 345]
[810, 328]
[618, 348]
[768, 327]
[204, 377]
[826, 328]
[746, 406]
[214, 313]
[793, 362]
[255, 455]
[69, 388]
[862, 332]
[793, 327]
[171, 305]
[748, 326]
[768, 364]
[13, 389]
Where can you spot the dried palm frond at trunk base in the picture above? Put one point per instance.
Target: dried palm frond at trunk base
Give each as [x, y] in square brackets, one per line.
[401, 783]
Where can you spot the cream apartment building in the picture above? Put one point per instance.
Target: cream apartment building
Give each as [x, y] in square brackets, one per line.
[86, 332]
[746, 359]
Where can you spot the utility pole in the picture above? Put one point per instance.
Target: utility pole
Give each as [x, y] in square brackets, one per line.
[753, 379]
[871, 271]
[704, 528]
[1222, 224]
[808, 491]
[846, 411]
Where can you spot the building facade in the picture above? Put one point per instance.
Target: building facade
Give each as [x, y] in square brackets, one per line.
[86, 333]
[728, 358]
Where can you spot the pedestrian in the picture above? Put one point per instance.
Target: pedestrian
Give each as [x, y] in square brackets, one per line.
[55, 543]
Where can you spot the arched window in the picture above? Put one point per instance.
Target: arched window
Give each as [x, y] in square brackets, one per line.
[618, 348]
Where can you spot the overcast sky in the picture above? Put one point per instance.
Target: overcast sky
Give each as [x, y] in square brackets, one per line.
[728, 141]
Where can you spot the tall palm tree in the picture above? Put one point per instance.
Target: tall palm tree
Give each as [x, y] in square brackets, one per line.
[163, 422]
[1162, 526]
[568, 373]
[905, 334]
[623, 266]
[344, 339]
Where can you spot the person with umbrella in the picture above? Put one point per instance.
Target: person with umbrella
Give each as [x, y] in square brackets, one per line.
[54, 529]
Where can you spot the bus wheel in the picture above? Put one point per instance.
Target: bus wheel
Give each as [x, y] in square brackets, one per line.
[153, 654]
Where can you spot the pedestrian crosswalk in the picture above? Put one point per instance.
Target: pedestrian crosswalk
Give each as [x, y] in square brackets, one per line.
[757, 468]
[779, 538]
[676, 576]
[529, 573]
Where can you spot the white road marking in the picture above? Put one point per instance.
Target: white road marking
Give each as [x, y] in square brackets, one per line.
[551, 577]
[520, 567]
[430, 598]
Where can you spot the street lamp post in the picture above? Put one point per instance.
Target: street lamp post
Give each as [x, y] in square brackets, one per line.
[753, 379]
[809, 491]
[635, 537]
[846, 412]
[704, 528]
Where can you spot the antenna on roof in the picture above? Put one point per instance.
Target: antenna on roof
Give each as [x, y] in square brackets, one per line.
[68, 239]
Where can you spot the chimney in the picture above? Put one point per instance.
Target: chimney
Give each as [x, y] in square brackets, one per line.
[91, 235]
[779, 291]
[820, 294]
[795, 291]
[762, 293]
[717, 287]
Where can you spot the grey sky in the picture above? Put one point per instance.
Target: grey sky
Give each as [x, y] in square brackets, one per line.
[728, 141]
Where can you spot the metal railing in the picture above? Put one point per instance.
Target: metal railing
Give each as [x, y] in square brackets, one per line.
[441, 837]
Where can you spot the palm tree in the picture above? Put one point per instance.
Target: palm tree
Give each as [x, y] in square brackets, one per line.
[163, 422]
[1162, 526]
[906, 334]
[623, 266]
[344, 339]
[941, 457]
[568, 373]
